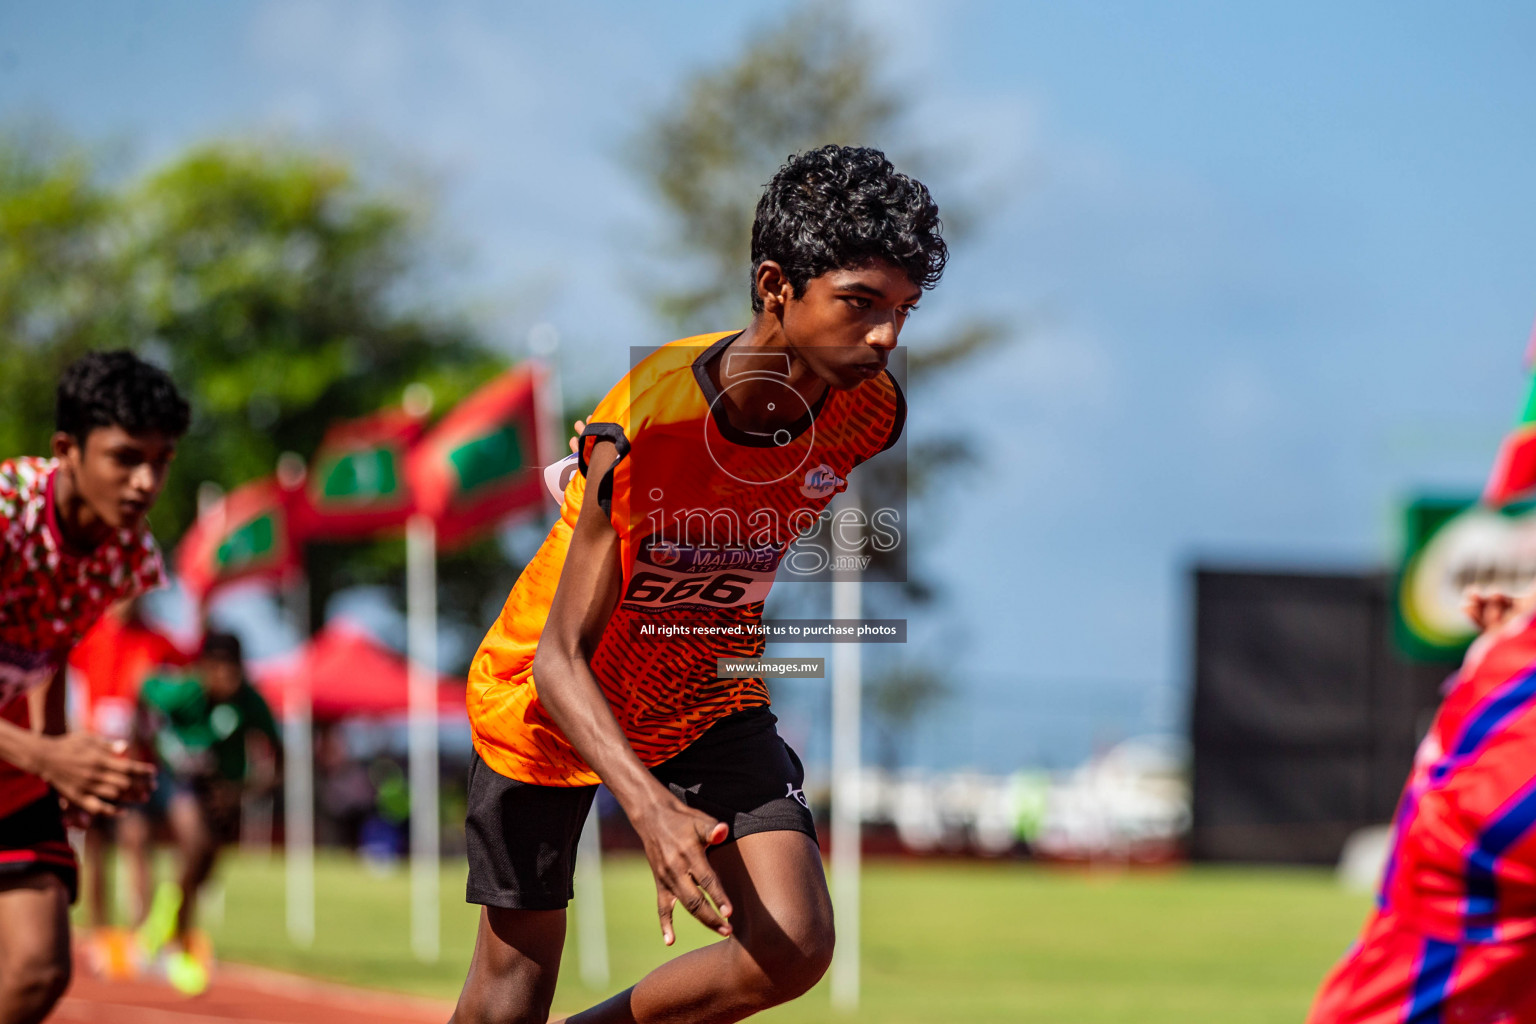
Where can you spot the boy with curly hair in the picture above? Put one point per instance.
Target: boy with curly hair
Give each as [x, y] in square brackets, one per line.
[73, 542]
[705, 463]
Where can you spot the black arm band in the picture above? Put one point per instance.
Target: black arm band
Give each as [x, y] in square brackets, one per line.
[611, 432]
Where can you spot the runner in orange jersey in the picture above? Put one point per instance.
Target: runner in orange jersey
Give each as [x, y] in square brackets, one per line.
[704, 464]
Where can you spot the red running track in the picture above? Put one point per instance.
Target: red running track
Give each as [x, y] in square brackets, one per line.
[246, 994]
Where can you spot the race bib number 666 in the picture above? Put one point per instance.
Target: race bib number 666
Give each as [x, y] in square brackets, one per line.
[667, 575]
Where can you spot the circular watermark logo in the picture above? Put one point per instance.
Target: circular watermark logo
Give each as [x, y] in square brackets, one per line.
[758, 386]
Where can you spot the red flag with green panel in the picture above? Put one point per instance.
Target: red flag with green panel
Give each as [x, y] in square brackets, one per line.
[357, 484]
[1514, 470]
[480, 465]
[244, 535]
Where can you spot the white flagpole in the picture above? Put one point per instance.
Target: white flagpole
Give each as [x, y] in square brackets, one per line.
[591, 911]
[846, 601]
[591, 920]
[421, 652]
[299, 783]
[544, 344]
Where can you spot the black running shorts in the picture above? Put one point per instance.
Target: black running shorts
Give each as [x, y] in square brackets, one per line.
[521, 838]
[33, 839]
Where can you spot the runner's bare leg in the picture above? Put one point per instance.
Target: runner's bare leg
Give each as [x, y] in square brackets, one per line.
[781, 945]
[512, 973]
[34, 946]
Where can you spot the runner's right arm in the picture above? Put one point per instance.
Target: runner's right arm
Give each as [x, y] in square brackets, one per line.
[88, 771]
[675, 835]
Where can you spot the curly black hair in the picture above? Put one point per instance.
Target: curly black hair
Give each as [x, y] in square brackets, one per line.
[105, 389]
[845, 206]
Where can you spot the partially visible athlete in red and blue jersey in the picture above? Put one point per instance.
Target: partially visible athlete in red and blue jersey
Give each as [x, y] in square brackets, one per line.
[1453, 938]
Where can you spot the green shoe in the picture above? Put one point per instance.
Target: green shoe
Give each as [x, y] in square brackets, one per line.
[186, 973]
[160, 923]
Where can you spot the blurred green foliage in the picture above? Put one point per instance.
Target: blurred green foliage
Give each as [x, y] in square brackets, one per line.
[271, 282]
[59, 294]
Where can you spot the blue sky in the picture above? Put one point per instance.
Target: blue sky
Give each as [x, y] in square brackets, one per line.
[1271, 262]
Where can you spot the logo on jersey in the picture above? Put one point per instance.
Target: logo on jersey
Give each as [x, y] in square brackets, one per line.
[668, 575]
[821, 482]
[797, 795]
[664, 553]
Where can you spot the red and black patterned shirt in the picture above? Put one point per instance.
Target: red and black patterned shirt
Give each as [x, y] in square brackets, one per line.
[50, 594]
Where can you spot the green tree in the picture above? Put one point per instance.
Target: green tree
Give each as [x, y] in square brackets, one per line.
[60, 292]
[274, 286]
[814, 79]
[271, 284]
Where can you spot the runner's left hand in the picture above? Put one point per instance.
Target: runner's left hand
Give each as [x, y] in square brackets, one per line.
[676, 837]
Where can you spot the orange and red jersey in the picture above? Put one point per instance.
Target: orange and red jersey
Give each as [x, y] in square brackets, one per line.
[705, 513]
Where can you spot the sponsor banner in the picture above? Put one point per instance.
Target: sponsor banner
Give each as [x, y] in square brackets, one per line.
[1453, 544]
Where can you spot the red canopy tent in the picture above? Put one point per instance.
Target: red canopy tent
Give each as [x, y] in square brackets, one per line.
[350, 674]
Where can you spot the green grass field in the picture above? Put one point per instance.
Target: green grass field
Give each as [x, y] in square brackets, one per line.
[943, 941]
[974, 942]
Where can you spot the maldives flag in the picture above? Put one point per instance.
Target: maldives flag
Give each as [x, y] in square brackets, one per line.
[480, 464]
[244, 535]
[357, 485]
[1514, 470]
